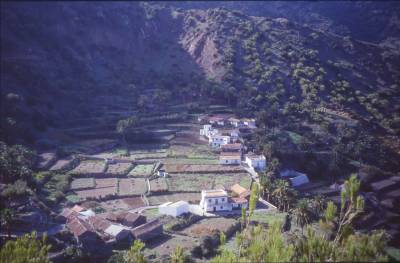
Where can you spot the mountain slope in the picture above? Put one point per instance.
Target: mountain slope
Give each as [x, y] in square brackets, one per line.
[68, 60]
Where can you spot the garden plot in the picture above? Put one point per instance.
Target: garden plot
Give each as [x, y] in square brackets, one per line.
[132, 186]
[190, 182]
[122, 204]
[202, 168]
[97, 192]
[133, 202]
[211, 226]
[191, 151]
[106, 182]
[46, 160]
[61, 164]
[193, 198]
[172, 161]
[158, 185]
[119, 168]
[89, 167]
[82, 183]
[198, 182]
[164, 245]
[141, 170]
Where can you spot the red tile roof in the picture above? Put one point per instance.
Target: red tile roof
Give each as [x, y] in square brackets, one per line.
[79, 227]
[98, 223]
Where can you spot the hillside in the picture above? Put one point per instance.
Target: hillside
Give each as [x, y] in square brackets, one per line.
[134, 49]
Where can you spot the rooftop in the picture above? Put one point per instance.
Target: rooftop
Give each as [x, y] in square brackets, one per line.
[114, 230]
[99, 223]
[240, 190]
[232, 146]
[146, 228]
[238, 200]
[214, 193]
[254, 156]
[78, 227]
[230, 157]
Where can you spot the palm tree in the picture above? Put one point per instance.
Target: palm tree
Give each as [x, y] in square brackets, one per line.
[281, 193]
[266, 186]
[318, 204]
[302, 214]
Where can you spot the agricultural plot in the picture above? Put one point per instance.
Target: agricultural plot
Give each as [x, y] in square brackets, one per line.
[267, 218]
[106, 182]
[227, 180]
[133, 202]
[191, 151]
[132, 186]
[202, 168]
[210, 226]
[161, 199]
[89, 167]
[198, 182]
[97, 192]
[158, 185]
[165, 245]
[61, 164]
[141, 170]
[119, 168]
[190, 182]
[208, 161]
[82, 183]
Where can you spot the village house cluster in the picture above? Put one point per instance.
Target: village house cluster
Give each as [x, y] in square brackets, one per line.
[223, 133]
[91, 230]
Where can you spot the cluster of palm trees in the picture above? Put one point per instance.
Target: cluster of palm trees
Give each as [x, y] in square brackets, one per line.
[279, 192]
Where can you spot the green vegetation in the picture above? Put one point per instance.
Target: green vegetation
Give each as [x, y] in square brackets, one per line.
[25, 249]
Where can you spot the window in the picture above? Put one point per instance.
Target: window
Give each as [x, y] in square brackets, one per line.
[223, 199]
[209, 200]
[221, 207]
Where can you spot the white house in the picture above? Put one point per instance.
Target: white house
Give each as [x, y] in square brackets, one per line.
[295, 178]
[251, 123]
[234, 136]
[217, 141]
[215, 200]
[232, 158]
[239, 202]
[162, 173]
[174, 209]
[205, 130]
[217, 120]
[257, 162]
[235, 122]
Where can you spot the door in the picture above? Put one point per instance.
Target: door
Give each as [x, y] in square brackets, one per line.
[215, 208]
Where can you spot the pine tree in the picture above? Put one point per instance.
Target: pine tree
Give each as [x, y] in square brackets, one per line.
[27, 248]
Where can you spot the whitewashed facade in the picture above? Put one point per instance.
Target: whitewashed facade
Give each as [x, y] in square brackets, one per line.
[174, 209]
[217, 141]
[215, 200]
[257, 162]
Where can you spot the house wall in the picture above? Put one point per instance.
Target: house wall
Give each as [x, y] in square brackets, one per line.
[218, 203]
[173, 210]
[229, 161]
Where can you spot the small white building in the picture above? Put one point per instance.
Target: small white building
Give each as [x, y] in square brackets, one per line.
[205, 130]
[234, 136]
[215, 200]
[217, 141]
[257, 162]
[250, 123]
[235, 122]
[239, 202]
[234, 158]
[295, 178]
[217, 120]
[174, 209]
[162, 173]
